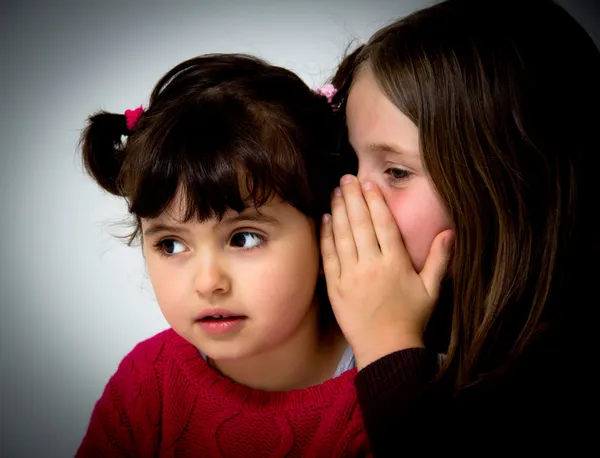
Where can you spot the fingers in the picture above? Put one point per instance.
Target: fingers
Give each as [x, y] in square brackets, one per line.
[342, 233]
[331, 263]
[384, 225]
[359, 217]
[437, 263]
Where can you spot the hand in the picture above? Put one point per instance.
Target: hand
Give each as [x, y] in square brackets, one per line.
[380, 302]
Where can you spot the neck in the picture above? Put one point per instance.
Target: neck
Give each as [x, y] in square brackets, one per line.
[309, 357]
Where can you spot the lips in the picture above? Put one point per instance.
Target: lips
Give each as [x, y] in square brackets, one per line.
[221, 317]
[220, 323]
[218, 314]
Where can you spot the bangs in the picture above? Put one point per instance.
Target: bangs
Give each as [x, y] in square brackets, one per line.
[213, 157]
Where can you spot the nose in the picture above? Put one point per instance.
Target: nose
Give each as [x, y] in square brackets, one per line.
[211, 277]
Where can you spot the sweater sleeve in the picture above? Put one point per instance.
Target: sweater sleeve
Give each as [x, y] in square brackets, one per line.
[389, 390]
[534, 405]
[125, 420]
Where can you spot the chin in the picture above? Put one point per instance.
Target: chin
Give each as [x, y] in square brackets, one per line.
[226, 353]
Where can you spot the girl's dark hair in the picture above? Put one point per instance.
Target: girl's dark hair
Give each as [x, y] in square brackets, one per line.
[227, 131]
[506, 97]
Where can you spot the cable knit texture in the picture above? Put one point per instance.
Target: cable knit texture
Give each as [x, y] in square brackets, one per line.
[164, 400]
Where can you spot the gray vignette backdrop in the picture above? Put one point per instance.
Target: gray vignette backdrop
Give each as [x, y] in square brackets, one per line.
[73, 299]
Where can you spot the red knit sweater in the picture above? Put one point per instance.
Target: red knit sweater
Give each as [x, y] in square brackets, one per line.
[164, 400]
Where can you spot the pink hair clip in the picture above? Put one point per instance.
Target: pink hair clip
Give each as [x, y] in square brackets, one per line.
[133, 116]
[329, 91]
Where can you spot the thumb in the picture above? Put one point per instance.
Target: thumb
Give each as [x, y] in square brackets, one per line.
[437, 262]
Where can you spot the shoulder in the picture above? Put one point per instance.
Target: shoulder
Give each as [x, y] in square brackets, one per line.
[141, 362]
[125, 419]
[152, 348]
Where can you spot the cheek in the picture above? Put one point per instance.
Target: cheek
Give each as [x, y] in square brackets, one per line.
[157, 275]
[168, 284]
[284, 279]
[420, 216]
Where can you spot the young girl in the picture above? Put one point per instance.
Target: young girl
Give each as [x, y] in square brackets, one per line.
[227, 172]
[476, 122]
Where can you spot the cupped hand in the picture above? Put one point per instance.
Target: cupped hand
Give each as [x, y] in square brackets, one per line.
[380, 302]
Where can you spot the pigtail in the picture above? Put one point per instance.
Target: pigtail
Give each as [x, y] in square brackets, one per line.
[102, 149]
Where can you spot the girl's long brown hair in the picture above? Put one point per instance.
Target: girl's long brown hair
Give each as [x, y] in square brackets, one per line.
[506, 97]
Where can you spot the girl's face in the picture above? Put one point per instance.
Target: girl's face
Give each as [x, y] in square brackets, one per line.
[387, 145]
[238, 287]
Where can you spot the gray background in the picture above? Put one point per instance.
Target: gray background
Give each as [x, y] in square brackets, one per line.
[73, 299]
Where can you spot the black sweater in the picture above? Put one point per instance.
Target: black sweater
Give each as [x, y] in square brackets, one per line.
[545, 403]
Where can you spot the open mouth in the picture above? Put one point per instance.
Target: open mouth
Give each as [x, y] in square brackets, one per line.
[222, 318]
[222, 324]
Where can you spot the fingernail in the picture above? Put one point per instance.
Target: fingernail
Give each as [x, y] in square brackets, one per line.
[346, 179]
[326, 219]
[368, 185]
[337, 192]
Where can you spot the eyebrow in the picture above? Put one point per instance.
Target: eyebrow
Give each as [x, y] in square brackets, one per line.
[156, 228]
[259, 218]
[389, 148]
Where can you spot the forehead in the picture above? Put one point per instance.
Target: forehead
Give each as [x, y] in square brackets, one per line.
[374, 120]
[273, 211]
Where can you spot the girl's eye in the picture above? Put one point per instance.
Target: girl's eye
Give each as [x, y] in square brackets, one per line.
[247, 240]
[170, 247]
[397, 174]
